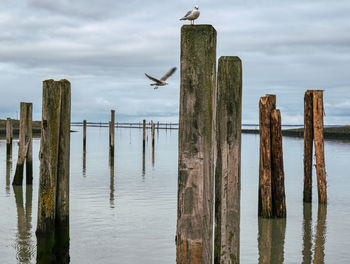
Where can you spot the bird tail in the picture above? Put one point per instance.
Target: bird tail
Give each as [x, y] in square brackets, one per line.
[184, 18]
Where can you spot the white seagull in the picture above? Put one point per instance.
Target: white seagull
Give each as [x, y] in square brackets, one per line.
[161, 82]
[192, 15]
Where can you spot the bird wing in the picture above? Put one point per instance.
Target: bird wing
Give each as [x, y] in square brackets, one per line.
[152, 78]
[188, 13]
[168, 74]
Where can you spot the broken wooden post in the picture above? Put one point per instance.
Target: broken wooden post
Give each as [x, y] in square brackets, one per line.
[53, 203]
[25, 145]
[84, 136]
[8, 136]
[112, 133]
[319, 145]
[277, 176]
[266, 105]
[195, 166]
[308, 138]
[228, 160]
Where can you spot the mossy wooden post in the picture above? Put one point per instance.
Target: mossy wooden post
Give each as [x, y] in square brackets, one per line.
[62, 196]
[308, 139]
[266, 105]
[112, 133]
[8, 136]
[84, 136]
[144, 135]
[228, 161]
[195, 164]
[25, 145]
[277, 176]
[319, 145]
[48, 156]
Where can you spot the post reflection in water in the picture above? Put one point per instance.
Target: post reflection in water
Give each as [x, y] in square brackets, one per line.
[271, 240]
[307, 233]
[25, 249]
[153, 156]
[111, 169]
[84, 163]
[320, 238]
[143, 161]
[8, 169]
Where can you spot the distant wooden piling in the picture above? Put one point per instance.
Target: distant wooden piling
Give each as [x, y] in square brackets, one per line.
[195, 168]
[144, 134]
[266, 105]
[53, 204]
[153, 129]
[308, 139]
[112, 133]
[319, 145]
[228, 161]
[25, 145]
[277, 176]
[84, 136]
[8, 136]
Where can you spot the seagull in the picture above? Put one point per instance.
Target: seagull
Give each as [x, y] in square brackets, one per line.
[192, 15]
[161, 82]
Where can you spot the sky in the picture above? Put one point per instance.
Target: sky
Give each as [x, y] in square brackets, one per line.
[104, 47]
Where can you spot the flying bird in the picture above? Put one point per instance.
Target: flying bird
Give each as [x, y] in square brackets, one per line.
[161, 82]
[192, 15]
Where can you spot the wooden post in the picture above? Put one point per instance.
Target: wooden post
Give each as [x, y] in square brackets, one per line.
[195, 168]
[144, 134]
[84, 136]
[25, 145]
[53, 203]
[277, 176]
[308, 138]
[319, 145]
[153, 128]
[228, 161]
[112, 133]
[8, 136]
[266, 105]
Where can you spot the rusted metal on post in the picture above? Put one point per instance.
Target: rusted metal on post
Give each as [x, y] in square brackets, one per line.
[194, 243]
[308, 139]
[319, 145]
[266, 105]
[25, 145]
[228, 160]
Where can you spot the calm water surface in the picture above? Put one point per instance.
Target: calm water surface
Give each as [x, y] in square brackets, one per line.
[126, 212]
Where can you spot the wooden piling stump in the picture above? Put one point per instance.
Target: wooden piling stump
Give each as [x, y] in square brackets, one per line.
[266, 105]
[278, 190]
[308, 139]
[319, 145]
[195, 167]
[228, 161]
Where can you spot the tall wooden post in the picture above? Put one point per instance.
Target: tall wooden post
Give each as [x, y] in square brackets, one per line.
[84, 136]
[266, 105]
[228, 161]
[195, 168]
[25, 145]
[53, 204]
[277, 176]
[8, 135]
[112, 133]
[319, 145]
[308, 138]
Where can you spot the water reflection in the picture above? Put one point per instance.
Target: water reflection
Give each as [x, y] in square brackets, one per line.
[152, 154]
[320, 238]
[271, 240]
[8, 170]
[307, 233]
[111, 184]
[24, 244]
[143, 160]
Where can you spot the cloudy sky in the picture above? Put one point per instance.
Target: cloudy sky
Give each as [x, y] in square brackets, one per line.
[104, 47]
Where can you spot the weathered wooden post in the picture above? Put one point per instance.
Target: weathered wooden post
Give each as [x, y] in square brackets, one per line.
[308, 138]
[8, 136]
[153, 129]
[319, 145]
[112, 133]
[195, 168]
[277, 176]
[25, 145]
[84, 136]
[53, 204]
[266, 105]
[144, 135]
[228, 160]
